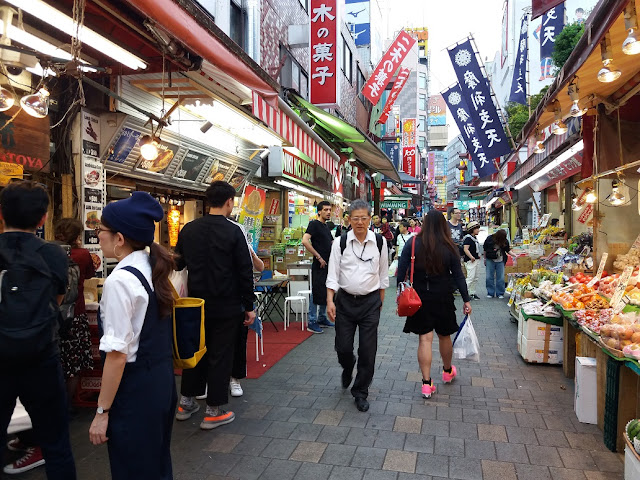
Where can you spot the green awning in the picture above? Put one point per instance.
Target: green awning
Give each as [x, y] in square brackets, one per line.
[343, 131]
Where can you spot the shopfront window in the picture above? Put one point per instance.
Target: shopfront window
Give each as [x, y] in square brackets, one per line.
[238, 23]
[422, 81]
[422, 120]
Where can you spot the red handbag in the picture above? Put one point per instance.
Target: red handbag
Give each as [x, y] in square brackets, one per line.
[408, 300]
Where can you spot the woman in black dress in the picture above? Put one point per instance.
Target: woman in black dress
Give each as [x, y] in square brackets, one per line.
[437, 273]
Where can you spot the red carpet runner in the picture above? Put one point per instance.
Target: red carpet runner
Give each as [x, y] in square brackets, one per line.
[276, 345]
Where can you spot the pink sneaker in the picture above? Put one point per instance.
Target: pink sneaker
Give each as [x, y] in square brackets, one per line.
[428, 389]
[448, 377]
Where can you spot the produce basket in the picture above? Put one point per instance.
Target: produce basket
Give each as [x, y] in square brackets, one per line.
[613, 351]
[629, 442]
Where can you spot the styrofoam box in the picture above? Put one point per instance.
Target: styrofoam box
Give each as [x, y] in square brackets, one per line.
[631, 465]
[586, 398]
[533, 351]
[534, 330]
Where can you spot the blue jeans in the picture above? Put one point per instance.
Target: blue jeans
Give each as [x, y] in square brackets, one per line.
[495, 278]
[317, 312]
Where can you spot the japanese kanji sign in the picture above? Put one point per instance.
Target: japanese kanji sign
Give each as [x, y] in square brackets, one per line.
[324, 53]
[477, 95]
[409, 138]
[460, 112]
[542, 6]
[389, 63]
[519, 83]
[401, 79]
[410, 160]
[552, 25]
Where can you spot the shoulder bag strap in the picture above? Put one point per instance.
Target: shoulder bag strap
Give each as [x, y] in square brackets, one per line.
[413, 258]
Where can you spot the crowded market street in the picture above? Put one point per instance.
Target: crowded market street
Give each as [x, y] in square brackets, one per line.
[500, 419]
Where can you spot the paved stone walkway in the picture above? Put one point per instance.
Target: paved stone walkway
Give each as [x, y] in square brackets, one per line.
[500, 419]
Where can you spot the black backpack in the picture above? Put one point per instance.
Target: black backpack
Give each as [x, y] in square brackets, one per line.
[343, 242]
[28, 312]
[68, 305]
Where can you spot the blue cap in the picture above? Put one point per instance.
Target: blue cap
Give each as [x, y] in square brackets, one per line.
[134, 217]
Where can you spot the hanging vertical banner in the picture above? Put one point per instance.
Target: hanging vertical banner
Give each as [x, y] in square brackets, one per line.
[519, 83]
[552, 25]
[324, 53]
[401, 79]
[477, 94]
[410, 160]
[389, 63]
[460, 112]
[392, 150]
[541, 6]
[251, 214]
[409, 138]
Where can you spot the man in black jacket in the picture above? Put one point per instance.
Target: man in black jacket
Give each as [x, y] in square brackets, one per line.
[220, 271]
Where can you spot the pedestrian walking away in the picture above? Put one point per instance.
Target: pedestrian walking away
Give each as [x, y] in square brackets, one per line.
[496, 253]
[317, 240]
[30, 367]
[214, 250]
[138, 392]
[356, 282]
[437, 273]
[471, 256]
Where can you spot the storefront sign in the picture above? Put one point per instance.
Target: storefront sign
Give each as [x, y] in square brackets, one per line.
[586, 213]
[191, 166]
[275, 206]
[25, 140]
[566, 169]
[409, 138]
[409, 160]
[395, 204]
[9, 171]
[437, 111]
[160, 164]
[389, 63]
[252, 213]
[401, 79]
[123, 146]
[283, 163]
[90, 134]
[392, 149]
[325, 73]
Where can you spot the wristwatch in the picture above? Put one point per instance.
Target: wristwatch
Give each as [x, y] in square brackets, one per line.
[102, 411]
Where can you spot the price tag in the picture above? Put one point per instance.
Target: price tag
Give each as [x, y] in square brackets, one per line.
[600, 270]
[616, 300]
[525, 236]
[545, 220]
[512, 297]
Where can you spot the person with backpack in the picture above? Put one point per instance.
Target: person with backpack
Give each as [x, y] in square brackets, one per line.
[456, 228]
[496, 253]
[437, 272]
[75, 339]
[356, 282]
[471, 249]
[137, 396]
[33, 282]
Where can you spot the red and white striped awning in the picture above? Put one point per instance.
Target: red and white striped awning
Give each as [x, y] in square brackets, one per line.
[293, 133]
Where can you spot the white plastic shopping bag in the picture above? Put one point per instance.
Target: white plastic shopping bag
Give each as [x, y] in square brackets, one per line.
[178, 279]
[465, 343]
[393, 268]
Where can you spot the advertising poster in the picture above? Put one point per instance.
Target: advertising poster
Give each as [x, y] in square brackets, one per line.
[191, 166]
[93, 201]
[252, 213]
[123, 146]
[160, 164]
[437, 111]
[218, 171]
[90, 134]
[409, 138]
[9, 171]
[239, 178]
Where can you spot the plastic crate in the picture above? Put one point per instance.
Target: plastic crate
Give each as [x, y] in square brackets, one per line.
[610, 429]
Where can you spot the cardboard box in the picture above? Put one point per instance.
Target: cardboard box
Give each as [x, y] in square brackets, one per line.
[534, 330]
[586, 398]
[541, 351]
[631, 464]
[524, 264]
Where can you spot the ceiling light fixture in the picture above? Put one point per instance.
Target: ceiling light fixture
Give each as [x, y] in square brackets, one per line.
[574, 94]
[149, 147]
[617, 197]
[608, 72]
[56, 18]
[7, 99]
[574, 203]
[559, 127]
[631, 45]
[37, 104]
[591, 196]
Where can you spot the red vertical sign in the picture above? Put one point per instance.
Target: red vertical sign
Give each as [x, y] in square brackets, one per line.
[409, 160]
[324, 52]
[401, 79]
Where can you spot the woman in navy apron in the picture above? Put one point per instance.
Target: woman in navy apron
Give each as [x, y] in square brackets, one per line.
[138, 394]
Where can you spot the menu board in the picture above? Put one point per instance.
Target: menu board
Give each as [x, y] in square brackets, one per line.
[191, 166]
[93, 201]
[123, 146]
[159, 165]
[218, 171]
[239, 178]
[252, 213]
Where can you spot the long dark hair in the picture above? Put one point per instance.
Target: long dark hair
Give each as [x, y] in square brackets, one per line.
[436, 238]
[500, 238]
[162, 264]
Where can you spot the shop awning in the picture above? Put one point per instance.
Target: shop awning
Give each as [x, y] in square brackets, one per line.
[365, 150]
[404, 178]
[210, 43]
[286, 123]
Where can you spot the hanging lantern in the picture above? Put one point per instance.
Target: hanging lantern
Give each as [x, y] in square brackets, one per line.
[173, 222]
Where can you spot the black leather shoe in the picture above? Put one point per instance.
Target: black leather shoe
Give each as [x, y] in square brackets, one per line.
[362, 404]
[347, 376]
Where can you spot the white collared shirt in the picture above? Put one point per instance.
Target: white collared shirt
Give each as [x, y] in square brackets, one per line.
[124, 305]
[361, 269]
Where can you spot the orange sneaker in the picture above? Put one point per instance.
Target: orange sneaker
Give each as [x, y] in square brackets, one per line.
[213, 419]
[448, 377]
[428, 389]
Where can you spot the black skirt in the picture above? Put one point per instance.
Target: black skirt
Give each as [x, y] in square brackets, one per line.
[438, 312]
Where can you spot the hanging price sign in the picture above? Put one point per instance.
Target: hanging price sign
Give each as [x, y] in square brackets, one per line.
[598, 276]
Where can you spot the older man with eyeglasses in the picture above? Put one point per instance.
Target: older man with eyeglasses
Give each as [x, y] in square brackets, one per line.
[356, 282]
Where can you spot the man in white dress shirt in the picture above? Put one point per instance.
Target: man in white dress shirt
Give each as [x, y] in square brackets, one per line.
[356, 281]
